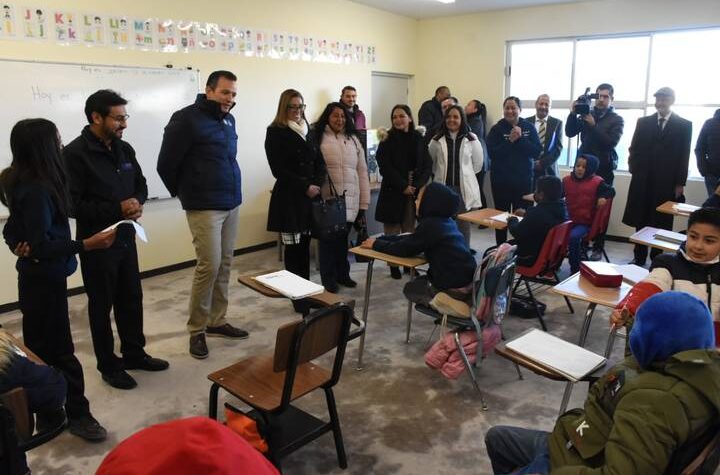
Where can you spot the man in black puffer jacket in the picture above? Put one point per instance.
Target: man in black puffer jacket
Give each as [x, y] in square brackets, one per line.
[437, 236]
[198, 163]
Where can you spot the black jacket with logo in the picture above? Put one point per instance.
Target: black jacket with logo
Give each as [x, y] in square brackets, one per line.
[100, 178]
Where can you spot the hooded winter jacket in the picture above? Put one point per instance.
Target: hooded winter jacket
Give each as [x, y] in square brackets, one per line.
[530, 233]
[634, 420]
[581, 194]
[437, 236]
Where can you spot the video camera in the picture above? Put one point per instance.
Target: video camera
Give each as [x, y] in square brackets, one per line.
[582, 105]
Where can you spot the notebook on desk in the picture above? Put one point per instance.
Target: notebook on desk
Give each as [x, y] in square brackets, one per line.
[684, 207]
[670, 236]
[572, 361]
[290, 285]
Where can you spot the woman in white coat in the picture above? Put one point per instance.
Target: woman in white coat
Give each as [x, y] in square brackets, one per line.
[457, 157]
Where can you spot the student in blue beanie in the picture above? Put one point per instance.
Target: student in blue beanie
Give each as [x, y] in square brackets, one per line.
[649, 415]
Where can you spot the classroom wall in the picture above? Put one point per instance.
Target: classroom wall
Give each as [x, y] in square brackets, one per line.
[259, 86]
[467, 53]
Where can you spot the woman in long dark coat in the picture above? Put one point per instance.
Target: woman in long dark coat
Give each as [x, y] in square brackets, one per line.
[299, 172]
[405, 166]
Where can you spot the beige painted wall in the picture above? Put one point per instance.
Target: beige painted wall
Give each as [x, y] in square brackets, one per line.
[467, 53]
[259, 85]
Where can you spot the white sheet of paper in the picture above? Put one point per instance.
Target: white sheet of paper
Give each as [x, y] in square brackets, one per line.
[139, 230]
[503, 217]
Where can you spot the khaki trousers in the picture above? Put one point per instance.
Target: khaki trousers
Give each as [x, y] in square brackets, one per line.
[214, 233]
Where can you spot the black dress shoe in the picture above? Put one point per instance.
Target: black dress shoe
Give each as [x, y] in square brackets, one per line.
[147, 364]
[395, 272]
[88, 428]
[332, 287]
[347, 282]
[119, 379]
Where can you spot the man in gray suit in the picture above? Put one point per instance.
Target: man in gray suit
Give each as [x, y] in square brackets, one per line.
[550, 131]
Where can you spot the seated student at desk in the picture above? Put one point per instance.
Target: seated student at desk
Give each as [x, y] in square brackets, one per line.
[45, 388]
[584, 193]
[529, 234]
[452, 266]
[694, 268]
[648, 415]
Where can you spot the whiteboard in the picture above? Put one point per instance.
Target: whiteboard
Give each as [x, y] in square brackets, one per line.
[57, 91]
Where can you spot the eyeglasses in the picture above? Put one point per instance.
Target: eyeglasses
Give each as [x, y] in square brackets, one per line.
[120, 118]
[300, 107]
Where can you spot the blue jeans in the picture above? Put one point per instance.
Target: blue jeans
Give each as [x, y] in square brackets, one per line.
[517, 451]
[577, 233]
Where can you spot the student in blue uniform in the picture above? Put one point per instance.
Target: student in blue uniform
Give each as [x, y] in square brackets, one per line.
[34, 188]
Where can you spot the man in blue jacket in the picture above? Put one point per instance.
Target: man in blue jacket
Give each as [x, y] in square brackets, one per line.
[198, 164]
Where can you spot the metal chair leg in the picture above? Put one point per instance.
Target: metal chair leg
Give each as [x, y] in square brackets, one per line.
[517, 368]
[337, 433]
[534, 302]
[213, 401]
[427, 343]
[469, 369]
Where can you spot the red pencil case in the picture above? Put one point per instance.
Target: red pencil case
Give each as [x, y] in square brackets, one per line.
[601, 274]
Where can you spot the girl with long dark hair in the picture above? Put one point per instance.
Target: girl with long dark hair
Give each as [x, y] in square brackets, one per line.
[34, 188]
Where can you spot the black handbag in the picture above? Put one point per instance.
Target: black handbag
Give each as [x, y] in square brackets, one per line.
[329, 218]
[360, 226]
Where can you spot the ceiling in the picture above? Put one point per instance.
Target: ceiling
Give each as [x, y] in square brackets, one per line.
[433, 8]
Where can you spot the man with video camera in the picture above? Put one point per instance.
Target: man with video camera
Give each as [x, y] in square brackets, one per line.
[600, 129]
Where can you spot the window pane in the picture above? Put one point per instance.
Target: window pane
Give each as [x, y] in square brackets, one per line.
[684, 62]
[541, 68]
[698, 116]
[621, 62]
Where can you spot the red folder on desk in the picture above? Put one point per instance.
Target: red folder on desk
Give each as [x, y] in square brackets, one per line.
[601, 274]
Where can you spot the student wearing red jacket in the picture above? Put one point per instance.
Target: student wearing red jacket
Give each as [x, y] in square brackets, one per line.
[584, 193]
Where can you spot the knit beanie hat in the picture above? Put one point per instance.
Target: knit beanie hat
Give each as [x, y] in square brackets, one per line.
[668, 323]
[192, 446]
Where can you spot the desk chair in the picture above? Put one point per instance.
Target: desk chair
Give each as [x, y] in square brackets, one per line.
[17, 424]
[599, 227]
[491, 295]
[269, 383]
[545, 268]
[703, 463]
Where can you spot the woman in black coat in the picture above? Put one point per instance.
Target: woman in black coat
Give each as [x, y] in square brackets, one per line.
[299, 171]
[405, 166]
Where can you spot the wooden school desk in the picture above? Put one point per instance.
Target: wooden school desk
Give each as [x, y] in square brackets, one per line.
[668, 208]
[483, 217]
[646, 237]
[411, 262]
[579, 288]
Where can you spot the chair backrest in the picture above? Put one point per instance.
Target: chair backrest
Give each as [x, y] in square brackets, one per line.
[313, 336]
[600, 221]
[553, 251]
[492, 285]
[698, 456]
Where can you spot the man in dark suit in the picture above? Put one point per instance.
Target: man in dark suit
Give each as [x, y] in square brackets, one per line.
[658, 163]
[550, 131]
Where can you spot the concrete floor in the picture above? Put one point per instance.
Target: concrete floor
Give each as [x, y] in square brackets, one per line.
[398, 416]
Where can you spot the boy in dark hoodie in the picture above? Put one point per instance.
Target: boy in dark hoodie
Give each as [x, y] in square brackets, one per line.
[537, 221]
[649, 414]
[584, 193]
[452, 266]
